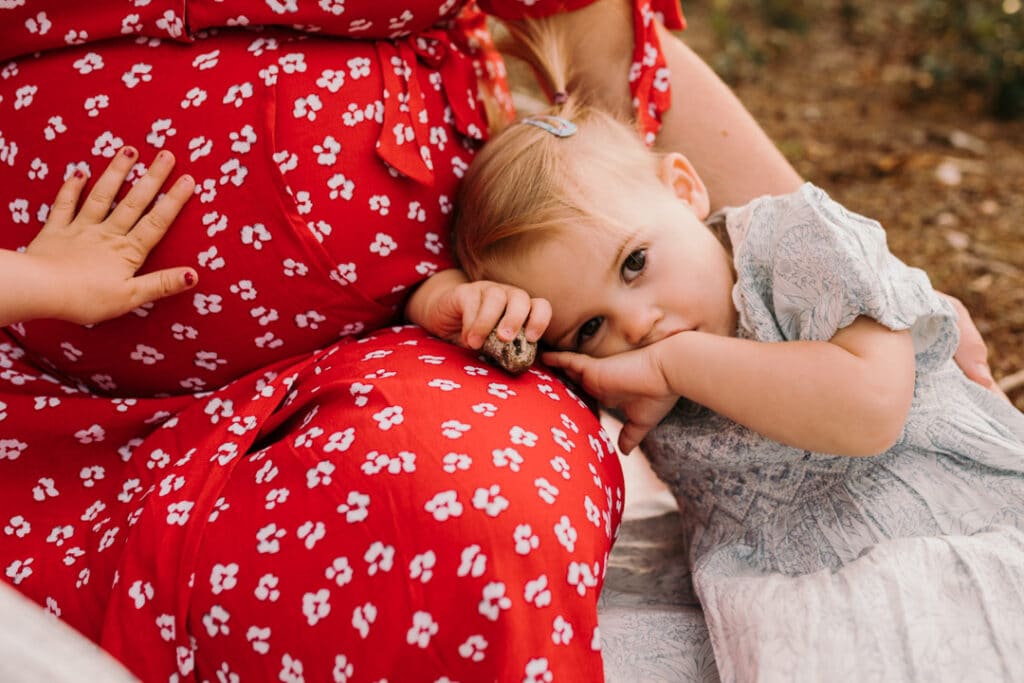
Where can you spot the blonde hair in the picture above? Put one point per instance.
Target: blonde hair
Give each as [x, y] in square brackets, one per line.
[527, 183]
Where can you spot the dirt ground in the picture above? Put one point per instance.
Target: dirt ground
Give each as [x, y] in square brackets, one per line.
[945, 179]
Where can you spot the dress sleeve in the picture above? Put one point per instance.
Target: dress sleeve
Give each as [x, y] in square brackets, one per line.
[648, 73]
[807, 267]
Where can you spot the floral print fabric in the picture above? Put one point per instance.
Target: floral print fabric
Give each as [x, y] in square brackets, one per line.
[260, 479]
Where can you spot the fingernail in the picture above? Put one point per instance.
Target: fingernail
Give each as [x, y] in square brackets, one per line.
[78, 173]
[129, 152]
[190, 278]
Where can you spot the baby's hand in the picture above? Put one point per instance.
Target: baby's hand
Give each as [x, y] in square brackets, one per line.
[468, 312]
[92, 256]
[631, 383]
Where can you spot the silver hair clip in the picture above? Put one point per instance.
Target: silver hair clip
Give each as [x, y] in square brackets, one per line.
[556, 125]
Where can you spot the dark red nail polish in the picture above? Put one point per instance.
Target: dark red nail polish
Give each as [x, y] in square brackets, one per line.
[78, 173]
[190, 279]
[129, 152]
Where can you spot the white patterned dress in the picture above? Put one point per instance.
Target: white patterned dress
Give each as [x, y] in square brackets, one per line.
[904, 566]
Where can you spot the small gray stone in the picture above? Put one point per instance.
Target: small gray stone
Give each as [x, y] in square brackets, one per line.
[515, 356]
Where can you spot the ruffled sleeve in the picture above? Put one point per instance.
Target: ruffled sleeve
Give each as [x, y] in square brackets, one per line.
[807, 267]
[648, 74]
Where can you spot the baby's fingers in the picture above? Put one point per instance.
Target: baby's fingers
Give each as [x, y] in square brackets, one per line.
[161, 284]
[631, 436]
[151, 228]
[62, 211]
[97, 203]
[570, 363]
[128, 211]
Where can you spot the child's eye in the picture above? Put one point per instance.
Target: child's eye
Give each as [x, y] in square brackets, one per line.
[634, 264]
[588, 330]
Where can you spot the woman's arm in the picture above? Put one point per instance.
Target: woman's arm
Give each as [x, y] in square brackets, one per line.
[848, 396]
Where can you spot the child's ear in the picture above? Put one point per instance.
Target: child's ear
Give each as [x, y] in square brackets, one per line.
[678, 173]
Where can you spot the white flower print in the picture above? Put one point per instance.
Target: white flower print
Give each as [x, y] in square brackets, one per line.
[263, 316]
[41, 403]
[210, 259]
[266, 588]
[311, 532]
[327, 151]
[340, 441]
[293, 63]
[283, 6]
[485, 409]
[500, 390]
[38, 170]
[432, 360]
[561, 632]
[520, 436]
[309, 319]
[382, 244]
[444, 505]
[444, 384]
[549, 391]
[206, 304]
[340, 571]
[90, 475]
[44, 489]
[223, 577]
[344, 274]
[208, 360]
[307, 107]
[593, 511]
[40, 24]
[358, 67]
[186, 660]
[494, 600]
[537, 671]
[343, 669]
[260, 639]
[320, 475]
[93, 105]
[255, 235]
[379, 462]
[490, 500]
[389, 417]
[582, 576]
[171, 23]
[291, 669]
[340, 186]
[93, 511]
[422, 566]
[140, 592]
[165, 622]
[456, 461]
[232, 171]
[379, 557]
[11, 449]
[216, 621]
[507, 457]
[193, 98]
[525, 540]
[356, 507]
[182, 332]
[200, 147]
[316, 606]
[24, 95]
[453, 429]
[362, 617]
[19, 570]
[18, 526]
[178, 513]
[59, 534]
[561, 466]
[472, 562]
[275, 497]
[160, 131]
[19, 211]
[244, 289]
[206, 61]
[566, 533]
[423, 629]
[474, 648]
[242, 140]
[537, 592]
[268, 539]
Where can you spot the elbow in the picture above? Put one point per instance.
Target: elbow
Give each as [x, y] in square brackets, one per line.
[881, 425]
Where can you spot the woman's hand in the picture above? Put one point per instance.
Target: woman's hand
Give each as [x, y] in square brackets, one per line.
[972, 354]
[451, 307]
[631, 383]
[82, 266]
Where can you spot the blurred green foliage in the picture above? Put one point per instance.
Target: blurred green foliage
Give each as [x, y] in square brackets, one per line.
[949, 45]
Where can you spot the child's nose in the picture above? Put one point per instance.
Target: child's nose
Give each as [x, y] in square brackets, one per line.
[640, 326]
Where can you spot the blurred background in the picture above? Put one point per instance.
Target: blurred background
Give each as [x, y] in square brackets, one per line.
[908, 111]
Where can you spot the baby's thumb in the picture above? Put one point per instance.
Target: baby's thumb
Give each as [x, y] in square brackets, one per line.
[164, 283]
[630, 437]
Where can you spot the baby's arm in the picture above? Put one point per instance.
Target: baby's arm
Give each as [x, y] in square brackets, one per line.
[450, 306]
[848, 396]
[81, 267]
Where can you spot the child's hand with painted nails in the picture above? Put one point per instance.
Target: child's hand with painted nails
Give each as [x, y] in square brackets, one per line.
[451, 307]
[82, 265]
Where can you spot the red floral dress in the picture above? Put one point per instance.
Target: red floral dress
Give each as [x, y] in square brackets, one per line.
[260, 479]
